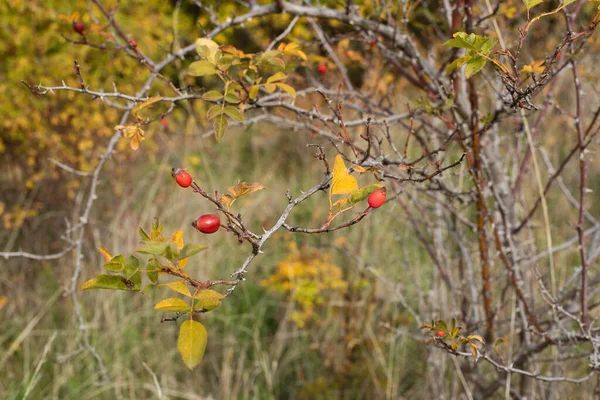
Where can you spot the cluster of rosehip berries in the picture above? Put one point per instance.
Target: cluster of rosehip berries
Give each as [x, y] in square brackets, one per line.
[207, 223]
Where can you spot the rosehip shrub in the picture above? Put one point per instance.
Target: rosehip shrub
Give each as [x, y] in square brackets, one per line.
[78, 27]
[377, 198]
[208, 223]
[182, 177]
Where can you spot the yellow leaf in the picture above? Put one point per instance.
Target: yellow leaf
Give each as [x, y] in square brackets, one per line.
[177, 238]
[476, 337]
[208, 299]
[172, 304]
[342, 181]
[192, 342]
[179, 287]
[243, 188]
[105, 253]
[533, 67]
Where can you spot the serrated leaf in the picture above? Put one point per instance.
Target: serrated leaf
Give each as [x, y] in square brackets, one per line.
[342, 181]
[234, 113]
[243, 188]
[287, 88]
[104, 281]
[178, 286]
[461, 40]
[474, 66]
[116, 264]
[202, 68]
[172, 304]
[364, 192]
[135, 111]
[212, 95]
[191, 249]
[105, 254]
[192, 342]
[177, 238]
[220, 126]
[459, 62]
[208, 299]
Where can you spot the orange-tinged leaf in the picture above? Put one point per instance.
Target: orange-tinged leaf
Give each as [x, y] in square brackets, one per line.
[342, 181]
[135, 111]
[227, 200]
[172, 304]
[243, 188]
[178, 286]
[105, 253]
[534, 67]
[476, 337]
[3, 301]
[192, 342]
[177, 238]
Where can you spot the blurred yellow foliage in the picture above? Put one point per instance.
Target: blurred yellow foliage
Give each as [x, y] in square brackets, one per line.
[308, 278]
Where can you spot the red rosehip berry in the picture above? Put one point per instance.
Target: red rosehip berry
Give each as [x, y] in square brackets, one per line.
[133, 43]
[182, 177]
[78, 27]
[164, 122]
[322, 69]
[440, 333]
[372, 43]
[377, 198]
[207, 223]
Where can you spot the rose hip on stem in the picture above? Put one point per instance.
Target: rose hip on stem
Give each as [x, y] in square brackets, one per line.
[182, 177]
[207, 223]
[377, 198]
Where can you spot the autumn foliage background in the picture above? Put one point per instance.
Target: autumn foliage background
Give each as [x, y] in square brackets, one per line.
[319, 316]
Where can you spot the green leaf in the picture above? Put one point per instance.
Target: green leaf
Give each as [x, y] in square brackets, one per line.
[145, 237]
[202, 68]
[532, 3]
[155, 248]
[287, 88]
[104, 281]
[190, 250]
[213, 111]
[178, 286]
[208, 299]
[474, 66]
[117, 264]
[459, 62]
[149, 290]
[461, 40]
[234, 113]
[232, 98]
[220, 126]
[364, 192]
[172, 304]
[192, 342]
[212, 95]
